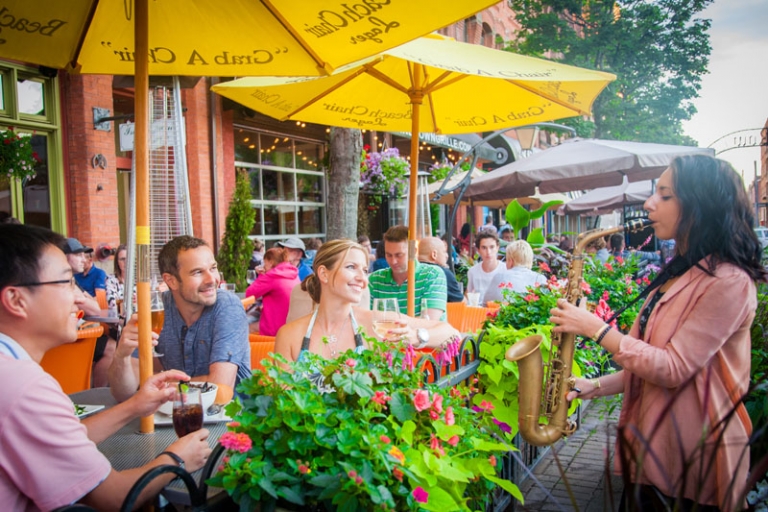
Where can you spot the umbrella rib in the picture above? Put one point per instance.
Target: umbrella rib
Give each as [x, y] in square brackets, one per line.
[81, 40]
[550, 97]
[321, 64]
[375, 73]
[323, 94]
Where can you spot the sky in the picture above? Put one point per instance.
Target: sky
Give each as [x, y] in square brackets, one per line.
[734, 95]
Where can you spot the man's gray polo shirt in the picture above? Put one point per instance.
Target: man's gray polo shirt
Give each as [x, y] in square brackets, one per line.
[219, 335]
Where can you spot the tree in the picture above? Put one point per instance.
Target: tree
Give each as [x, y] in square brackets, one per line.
[344, 183]
[658, 49]
[236, 247]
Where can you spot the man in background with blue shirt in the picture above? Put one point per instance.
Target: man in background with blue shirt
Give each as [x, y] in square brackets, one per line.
[205, 332]
[91, 277]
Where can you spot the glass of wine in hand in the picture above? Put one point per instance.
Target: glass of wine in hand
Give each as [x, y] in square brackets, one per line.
[385, 316]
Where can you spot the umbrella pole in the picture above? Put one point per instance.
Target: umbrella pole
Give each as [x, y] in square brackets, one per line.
[416, 99]
[141, 34]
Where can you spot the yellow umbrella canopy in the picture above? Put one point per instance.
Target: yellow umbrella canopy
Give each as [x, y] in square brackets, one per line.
[222, 38]
[431, 84]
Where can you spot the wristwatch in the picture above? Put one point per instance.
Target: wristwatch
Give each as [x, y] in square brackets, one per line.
[423, 336]
[178, 460]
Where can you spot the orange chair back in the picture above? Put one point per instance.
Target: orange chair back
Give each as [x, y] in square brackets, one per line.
[248, 302]
[101, 298]
[70, 364]
[455, 314]
[474, 317]
[261, 346]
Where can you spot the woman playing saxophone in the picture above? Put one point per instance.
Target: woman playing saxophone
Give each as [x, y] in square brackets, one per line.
[686, 360]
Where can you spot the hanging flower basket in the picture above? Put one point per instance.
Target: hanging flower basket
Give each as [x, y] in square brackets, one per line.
[17, 159]
[383, 174]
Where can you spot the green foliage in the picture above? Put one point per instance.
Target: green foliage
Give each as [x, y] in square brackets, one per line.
[757, 400]
[369, 436]
[518, 217]
[17, 159]
[658, 50]
[236, 248]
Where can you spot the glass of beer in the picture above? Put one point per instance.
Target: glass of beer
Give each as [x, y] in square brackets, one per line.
[187, 410]
[158, 315]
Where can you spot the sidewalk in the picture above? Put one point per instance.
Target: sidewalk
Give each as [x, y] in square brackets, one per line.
[583, 461]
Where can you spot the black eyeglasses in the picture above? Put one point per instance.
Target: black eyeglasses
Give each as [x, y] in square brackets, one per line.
[70, 282]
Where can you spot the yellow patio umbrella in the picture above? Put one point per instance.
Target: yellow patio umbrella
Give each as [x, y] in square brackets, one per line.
[223, 38]
[219, 38]
[432, 84]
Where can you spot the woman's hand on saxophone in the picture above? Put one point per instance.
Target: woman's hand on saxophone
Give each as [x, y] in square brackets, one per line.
[572, 319]
[583, 388]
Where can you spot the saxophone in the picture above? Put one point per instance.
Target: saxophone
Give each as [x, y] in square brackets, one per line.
[549, 400]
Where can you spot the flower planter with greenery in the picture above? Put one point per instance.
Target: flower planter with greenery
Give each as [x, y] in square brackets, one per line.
[382, 174]
[363, 433]
[17, 158]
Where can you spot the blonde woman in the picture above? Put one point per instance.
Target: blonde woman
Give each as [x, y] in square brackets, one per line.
[339, 279]
[518, 276]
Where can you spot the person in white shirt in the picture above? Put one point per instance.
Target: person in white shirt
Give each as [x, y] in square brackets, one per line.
[480, 275]
[518, 275]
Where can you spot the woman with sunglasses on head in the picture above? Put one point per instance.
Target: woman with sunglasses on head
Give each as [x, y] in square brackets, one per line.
[683, 432]
[337, 284]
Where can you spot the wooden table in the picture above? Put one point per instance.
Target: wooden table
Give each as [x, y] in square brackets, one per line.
[128, 448]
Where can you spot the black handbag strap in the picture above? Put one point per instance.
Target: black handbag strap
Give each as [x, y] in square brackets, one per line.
[677, 267]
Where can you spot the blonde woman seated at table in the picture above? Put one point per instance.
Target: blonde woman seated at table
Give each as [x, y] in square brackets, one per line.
[518, 276]
[339, 280]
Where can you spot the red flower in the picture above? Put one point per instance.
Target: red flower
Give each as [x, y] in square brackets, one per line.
[434, 415]
[492, 460]
[381, 398]
[398, 474]
[531, 297]
[450, 419]
[384, 439]
[350, 362]
[455, 392]
[437, 402]
[585, 287]
[239, 442]
[436, 445]
[486, 405]
[453, 441]
[544, 267]
[609, 267]
[421, 400]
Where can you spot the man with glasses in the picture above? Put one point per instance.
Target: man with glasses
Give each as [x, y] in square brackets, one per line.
[205, 331]
[49, 457]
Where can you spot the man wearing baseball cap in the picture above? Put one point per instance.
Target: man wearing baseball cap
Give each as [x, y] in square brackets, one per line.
[296, 251]
[92, 277]
[75, 252]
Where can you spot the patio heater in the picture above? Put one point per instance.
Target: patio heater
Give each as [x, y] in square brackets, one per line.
[423, 215]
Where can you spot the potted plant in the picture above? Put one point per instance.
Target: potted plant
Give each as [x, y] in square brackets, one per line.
[236, 246]
[17, 158]
[358, 433]
[382, 174]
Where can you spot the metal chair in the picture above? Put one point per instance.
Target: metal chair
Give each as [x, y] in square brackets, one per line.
[71, 364]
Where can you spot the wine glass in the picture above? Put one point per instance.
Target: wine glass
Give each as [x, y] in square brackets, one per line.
[250, 276]
[424, 311]
[158, 315]
[385, 316]
[187, 410]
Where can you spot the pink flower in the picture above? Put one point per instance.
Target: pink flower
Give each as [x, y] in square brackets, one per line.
[420, 495]
[421, 400]
[609, 267]
[436, 445]
[531, 297]
[437, 402]
[239, 442]
[488, 406]
[233, 424]
[434, 415]
[350, 362]
[619, 260]
[384, 439]
[381, 398]
[388, 357]
[585, 287]
[544, 267]
[455, 392]
[450, 419]
[453, 441]
[606, 295]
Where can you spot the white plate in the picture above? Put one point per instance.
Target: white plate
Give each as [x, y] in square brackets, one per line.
[89, 409]
[164, 419]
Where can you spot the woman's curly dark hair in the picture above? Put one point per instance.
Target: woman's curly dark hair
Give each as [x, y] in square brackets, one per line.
[716, 216]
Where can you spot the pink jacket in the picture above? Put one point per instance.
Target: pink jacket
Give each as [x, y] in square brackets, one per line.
[699, 329]
[275, 287]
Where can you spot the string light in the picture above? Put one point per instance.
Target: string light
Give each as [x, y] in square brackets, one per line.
[246, 139]
[252, 146]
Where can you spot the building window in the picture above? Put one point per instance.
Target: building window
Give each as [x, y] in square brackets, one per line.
[287, 184]
[29, 104]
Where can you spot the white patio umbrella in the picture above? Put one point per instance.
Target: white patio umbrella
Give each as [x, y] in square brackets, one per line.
[607, 199]
[579, 164]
